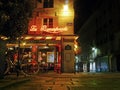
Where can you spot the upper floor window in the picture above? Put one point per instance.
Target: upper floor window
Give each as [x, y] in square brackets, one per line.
[48, 3]
[48, 22]
[40, 1]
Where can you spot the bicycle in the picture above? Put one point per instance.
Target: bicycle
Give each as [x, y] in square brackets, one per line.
[26, 67]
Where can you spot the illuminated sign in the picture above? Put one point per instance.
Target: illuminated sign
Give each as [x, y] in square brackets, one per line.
[68, 47]
[44, 28]
[53, 30]
[33, 28]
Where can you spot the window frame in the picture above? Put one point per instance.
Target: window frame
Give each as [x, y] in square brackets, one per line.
[48, 3]
[48, 22]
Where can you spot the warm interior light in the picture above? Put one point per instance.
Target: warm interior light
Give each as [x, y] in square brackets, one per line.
[48, 37]
[28, 37]
[43, 54]
[24, 43]
[58, 38]
[3, 37]
[38, 38]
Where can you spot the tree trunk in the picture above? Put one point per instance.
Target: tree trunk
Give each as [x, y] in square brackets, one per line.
[2, 58]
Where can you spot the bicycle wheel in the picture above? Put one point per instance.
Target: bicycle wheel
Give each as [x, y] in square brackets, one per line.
[7, 67]
[30, 68]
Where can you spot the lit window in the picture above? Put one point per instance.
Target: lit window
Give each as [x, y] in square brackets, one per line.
[48, 4]
[48, 22]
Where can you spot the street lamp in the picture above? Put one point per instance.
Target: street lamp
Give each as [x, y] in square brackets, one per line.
[65, 7]
[94, 52]
[65, 10]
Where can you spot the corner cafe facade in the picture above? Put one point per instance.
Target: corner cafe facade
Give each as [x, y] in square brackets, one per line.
[48, 45]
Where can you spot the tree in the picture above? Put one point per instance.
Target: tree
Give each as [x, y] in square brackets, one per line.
[14, 17]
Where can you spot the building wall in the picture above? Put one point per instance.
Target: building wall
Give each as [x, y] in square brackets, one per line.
[102, 28]
[68, 59]
[61, 18]
[108, 26]
[117, 41]
[87, 35]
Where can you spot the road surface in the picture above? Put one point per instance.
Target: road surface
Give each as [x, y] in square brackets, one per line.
[79, 81]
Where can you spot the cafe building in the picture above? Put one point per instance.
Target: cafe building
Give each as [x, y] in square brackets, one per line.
[50, 38]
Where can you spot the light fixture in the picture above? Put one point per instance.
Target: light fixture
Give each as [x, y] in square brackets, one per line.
[43, 54]
[46, 46]
[24, 43]
[65, 7]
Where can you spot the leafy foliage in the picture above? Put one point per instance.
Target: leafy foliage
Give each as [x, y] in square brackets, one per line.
[14, 17]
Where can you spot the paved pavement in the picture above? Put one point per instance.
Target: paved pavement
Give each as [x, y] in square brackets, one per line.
[79, 81]
[12, 79]
[55, 81]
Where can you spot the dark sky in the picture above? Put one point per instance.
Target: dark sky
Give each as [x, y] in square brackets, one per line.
[83, 9]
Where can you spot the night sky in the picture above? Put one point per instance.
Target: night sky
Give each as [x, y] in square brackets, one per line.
[83, 9]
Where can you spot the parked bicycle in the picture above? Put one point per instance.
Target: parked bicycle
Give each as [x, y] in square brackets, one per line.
[24, 66]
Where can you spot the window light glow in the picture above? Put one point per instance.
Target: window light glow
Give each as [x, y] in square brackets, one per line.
[4, 38]
[24, 43]
[58, 38]
[38, 38]
[28, 37]
[48, 37]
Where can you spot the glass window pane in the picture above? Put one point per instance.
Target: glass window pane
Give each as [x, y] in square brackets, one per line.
[45, 21]
[50, 3]
[45, 4]
[50, 22]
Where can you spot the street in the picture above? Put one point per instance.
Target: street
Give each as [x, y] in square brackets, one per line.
[66, 81]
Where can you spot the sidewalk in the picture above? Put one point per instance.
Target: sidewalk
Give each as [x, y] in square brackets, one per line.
[10, 80]
[79, 74]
